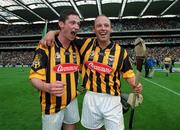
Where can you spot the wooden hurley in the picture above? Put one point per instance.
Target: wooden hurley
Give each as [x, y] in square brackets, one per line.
[140, 52]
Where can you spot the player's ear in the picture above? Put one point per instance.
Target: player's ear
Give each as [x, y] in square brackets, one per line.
[61, 24]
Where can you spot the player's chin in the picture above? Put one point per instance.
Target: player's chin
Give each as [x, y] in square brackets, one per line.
[103, 39]
[72, 37]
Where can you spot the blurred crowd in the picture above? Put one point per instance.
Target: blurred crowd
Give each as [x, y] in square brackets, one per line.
[159, 52]
[150, 41]
[15, 57]
[17, 44]
[146, 24]
[117, 25]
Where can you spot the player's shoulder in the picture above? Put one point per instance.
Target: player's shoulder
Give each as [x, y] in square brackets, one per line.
[118, 44]
[82, 39]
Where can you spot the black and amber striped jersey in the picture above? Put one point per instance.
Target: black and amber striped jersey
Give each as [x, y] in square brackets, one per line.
[102, 68]
[56, 64]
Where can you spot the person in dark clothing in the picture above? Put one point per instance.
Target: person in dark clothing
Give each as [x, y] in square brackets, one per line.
[172, 64]
[146, 67]
[157, 63]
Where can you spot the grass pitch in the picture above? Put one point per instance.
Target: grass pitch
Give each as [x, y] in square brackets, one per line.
[20, 108]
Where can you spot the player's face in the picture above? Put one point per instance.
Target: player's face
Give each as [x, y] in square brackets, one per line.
[102, 28]
[70, 27]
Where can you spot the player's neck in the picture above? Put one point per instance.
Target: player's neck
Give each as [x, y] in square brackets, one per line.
[103, 45]
[64, 41]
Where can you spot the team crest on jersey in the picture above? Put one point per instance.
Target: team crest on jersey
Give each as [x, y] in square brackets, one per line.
[91, 55]
[36, 63]
[66, 68]
[66, 53]
[57, 57]
[99, 67]
[101, 54]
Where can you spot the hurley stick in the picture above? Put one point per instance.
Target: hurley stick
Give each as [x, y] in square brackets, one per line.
[140, 52]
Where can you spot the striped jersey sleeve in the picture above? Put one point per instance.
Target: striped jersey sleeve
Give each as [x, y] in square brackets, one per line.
[126, 66]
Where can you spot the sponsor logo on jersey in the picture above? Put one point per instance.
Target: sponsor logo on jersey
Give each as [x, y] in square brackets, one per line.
[66, 68]
[99, 67]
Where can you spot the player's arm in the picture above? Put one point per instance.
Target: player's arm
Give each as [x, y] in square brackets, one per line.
[56, 88]
[136, 88]
[49, 38]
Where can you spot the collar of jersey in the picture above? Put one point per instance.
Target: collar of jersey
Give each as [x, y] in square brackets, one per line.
[110, 46]
[59, 44]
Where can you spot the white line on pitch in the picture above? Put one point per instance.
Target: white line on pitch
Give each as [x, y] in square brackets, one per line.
[162, 87]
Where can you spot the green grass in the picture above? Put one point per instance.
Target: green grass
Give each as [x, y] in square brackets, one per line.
[20, 108]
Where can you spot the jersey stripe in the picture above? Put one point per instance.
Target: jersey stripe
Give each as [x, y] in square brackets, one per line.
[48, 79]
[58, 78]
[99, 59]
[68, 80]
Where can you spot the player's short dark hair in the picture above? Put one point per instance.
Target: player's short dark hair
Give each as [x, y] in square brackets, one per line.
[64, 15]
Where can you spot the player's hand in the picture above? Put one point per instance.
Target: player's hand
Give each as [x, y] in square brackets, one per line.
[138, 89]
[49, 39]
[56, 88]
[135, 100]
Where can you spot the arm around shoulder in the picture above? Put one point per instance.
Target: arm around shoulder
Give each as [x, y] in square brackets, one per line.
[49, 38]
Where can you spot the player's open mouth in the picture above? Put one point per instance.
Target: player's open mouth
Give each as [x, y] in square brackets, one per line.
[102, 34]
[73, 33]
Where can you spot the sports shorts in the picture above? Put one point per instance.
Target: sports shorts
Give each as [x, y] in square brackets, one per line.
[68, 115]
[167, 66]
[102, 109]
